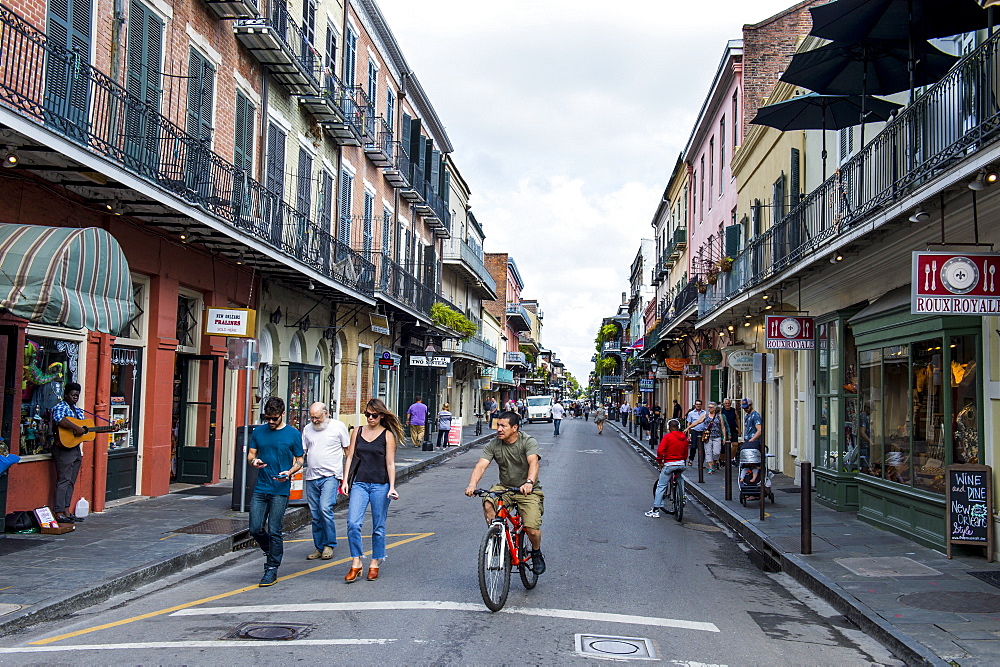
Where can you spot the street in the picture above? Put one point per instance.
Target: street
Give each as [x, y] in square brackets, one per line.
[687, 588]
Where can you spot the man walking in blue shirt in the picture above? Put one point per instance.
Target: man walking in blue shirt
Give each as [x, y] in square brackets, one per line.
[276, 453]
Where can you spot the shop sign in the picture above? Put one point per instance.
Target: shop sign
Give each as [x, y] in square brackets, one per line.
[662, 373]
[436, 362]
[710, 357]
[946, 283]
[785, 332]
[740, 360]
[676, 364]
[386, 362]
[232, 322]
[646, 385]
[455, 434]
[693, 372]
[380, 323]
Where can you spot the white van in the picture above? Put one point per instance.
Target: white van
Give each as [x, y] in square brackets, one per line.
[539, 408]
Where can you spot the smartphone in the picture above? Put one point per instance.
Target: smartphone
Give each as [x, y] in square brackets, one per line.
[280, 478]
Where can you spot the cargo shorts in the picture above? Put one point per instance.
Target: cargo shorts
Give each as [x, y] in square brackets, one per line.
[531, 507]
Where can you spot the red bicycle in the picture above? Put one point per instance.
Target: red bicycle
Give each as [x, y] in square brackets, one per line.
[504, 545]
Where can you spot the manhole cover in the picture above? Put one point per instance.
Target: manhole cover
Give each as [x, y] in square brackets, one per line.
[607, 646]
[992, 577]
[954, 601]
[270, 631]
[887, 566]
[215, 527]
[705, 528]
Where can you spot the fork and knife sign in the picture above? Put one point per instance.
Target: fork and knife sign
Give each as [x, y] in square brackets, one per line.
[962, 276]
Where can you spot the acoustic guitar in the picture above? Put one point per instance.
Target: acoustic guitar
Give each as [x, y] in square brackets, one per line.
[67, 439]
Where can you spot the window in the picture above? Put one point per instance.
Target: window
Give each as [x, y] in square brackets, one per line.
[701, 185]
[308, 32]
[142, 81]
[49, 364]
[344, 223]
[390, 108]
[735, 115]
[350, 58]
[200, 91]
[330, 52]
[711, 170]
[325, 201]
[275, 176]
[722, 155]
[372, 82]
[303, 193]
[187, 322]
[386, 226]
[694, 190]
[366, 238]
[243, 142]
[846, 141]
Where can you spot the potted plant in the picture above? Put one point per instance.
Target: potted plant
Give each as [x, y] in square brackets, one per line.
[712, 276]
[702, 287]
[726, 264]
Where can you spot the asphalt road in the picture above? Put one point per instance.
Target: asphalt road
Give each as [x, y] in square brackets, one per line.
[688, 590]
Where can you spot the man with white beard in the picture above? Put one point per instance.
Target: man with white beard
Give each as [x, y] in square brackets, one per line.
[325, 441]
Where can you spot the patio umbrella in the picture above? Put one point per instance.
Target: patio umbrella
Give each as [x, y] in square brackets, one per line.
[853, 20]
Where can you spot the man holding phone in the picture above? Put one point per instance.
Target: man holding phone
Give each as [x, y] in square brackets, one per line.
[276, 452]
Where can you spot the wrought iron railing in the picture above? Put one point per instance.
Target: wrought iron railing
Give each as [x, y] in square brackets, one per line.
[379, 136]
[396, 283]
[78, 102]
[611, 379]
[456, 248]
[953, 119]
[295, 40]
[479, 348]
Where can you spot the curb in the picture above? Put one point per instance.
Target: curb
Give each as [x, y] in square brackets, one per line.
[902, 645]
[294, 518]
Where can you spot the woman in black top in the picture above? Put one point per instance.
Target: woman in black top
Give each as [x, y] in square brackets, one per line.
[371, 460]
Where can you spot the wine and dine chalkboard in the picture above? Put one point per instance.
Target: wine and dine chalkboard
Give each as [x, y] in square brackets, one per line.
[970, 507]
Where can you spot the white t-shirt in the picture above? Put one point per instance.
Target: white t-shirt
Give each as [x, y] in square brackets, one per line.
[325, 449]
[558, 411]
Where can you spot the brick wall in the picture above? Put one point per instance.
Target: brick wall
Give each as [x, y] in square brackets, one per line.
[496, 264]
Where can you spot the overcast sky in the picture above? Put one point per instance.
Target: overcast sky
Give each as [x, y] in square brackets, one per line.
[566, 118]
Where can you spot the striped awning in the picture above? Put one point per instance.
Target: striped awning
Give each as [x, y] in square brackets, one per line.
[77, 278]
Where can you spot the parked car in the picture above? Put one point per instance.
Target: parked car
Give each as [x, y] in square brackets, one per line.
[539, 408]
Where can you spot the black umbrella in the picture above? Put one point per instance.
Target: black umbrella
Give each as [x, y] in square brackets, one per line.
[854, 20]
[871, 67]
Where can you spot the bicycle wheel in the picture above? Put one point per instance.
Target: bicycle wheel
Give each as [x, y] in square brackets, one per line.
[527, 572]
[494, 568]
[679, 500]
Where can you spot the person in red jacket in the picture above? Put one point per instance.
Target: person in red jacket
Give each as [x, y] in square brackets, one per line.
[672, 453]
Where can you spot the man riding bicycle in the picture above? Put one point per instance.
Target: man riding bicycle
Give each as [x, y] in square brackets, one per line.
[517, 457]
[672, 453]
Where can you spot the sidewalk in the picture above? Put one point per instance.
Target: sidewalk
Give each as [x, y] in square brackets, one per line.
[139, 542]
[925, 608]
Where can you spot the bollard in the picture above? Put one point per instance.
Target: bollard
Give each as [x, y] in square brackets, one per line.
[806, 484]
[701, 458]
[728, 454]
[763, 479]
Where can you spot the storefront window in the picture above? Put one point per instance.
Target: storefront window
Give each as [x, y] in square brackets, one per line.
[48, 365]
[126, 381]
[964, 418]
[870, 435]
[303, 391]
[927, 431]
[896, 397]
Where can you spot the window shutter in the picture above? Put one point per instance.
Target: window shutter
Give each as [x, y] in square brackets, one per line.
[404, 127]
[67, 93]
[430, 267]
[372, 83]
[303, 193]
[446, 189]
[142, 82]
[435, 168]
[243, 144]
[201, 84]
[344, 223]
[350, 58]
[326, 200]
[275, 176]
[386, 224]
[778, 199]
[331, 48]
[390, 109]
[416, 148]
[366, 238]
[794, 184]
[734, 234]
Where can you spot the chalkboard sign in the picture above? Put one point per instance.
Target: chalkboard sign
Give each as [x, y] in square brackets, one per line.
[970, 507]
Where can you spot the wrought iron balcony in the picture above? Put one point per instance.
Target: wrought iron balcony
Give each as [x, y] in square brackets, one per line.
[611, 347]
[611, 379]
[952, 121]
[515, 359]
[398, 173]
[499, 375]
[518, 318]
[395, 285]
[458, 253]
[415, 179]
[82, 105]
[474, 347]
[276, 41]
[234, 9]
[337, 110]
[379, 148]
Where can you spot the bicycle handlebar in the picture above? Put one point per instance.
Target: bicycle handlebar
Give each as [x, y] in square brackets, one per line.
[487, 492]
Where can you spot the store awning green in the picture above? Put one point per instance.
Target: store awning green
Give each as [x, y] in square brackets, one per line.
[76, 278]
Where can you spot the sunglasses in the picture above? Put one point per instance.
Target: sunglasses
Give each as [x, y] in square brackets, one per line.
[273, 419]
[373, 415]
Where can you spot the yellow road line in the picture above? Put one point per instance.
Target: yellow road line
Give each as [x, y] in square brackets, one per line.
[309, 539]
[213, 598]
[169, 536]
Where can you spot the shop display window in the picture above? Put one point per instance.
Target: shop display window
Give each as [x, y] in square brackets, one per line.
[125, 396]
[964, 418]
[870, 437]
[303, 391]
[836, 398]
[48, 365]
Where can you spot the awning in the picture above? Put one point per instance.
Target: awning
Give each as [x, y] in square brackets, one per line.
[77, 278]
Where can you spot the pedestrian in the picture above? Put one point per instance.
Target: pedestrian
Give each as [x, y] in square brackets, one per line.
[600, 415]
[416, 419]
[656, 420]
[490, 408]
[733, 426]
[670, 454]
[696, 427]
[718, 430]
[644, 414]
[586, 412]
[753, 427]
[371, 460]
[276, 452]
[623, 411]
[324, 441]
[677, 411]
[67, 458]
[444, 425]
[558, 412]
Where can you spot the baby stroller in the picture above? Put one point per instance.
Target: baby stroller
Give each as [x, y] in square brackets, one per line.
[749, 476]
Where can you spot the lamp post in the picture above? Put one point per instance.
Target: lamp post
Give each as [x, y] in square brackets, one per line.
[429, 353]
[655, 423]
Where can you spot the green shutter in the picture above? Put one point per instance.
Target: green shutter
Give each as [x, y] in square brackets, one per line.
[434, 177]
[67, 81]
[734, 234]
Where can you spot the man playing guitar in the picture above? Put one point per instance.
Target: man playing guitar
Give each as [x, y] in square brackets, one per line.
[67, 458]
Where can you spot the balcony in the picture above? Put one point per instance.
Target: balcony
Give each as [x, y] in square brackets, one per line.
[174, 181]
[276, 41]
[474, 347]
[395, 285]
[611, 379]
[947, 127]
[379, 147]
[337, 111]
[518, 318]
[415, 178]
[515, 359]
[458, 253]
[234, 9]
[398, 173]
[611, 347]
[499, 375]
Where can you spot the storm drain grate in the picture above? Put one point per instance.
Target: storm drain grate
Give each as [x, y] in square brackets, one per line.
[608, 646]
[270, 631]
[992, 577]
[215, 527]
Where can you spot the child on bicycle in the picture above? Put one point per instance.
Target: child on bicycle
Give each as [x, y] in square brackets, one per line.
[672, 454]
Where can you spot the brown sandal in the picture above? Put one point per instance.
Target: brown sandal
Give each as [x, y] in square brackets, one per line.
[372, 573]
[352, 575]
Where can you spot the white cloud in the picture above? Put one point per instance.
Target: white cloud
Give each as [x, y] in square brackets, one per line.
[567, 118]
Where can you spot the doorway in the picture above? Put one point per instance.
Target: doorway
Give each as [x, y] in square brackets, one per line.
[196, 393]
[10, 359]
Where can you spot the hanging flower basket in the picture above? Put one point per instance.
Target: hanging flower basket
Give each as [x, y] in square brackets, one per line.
[712, 278]
[702, 287]
[726, 264]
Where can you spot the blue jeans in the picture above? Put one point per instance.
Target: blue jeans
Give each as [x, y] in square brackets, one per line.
[363, 493]
[662, 483]
[267, 511]
[556, 422]
[321, 494]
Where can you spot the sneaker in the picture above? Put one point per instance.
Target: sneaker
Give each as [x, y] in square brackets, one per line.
[327, 553]
[314, 555]
[537, 561]
[653, 513]
[270, 576]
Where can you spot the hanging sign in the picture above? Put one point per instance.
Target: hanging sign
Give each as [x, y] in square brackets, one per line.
[662, 373]
[970, 506]
[947, 283]
[789, 333]
[386, 361]
[676, 364]
[693, 372]
[232, 322]
[740, 360]
[436, 362]
[646, 385]
[710, 357]
[380, 323]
